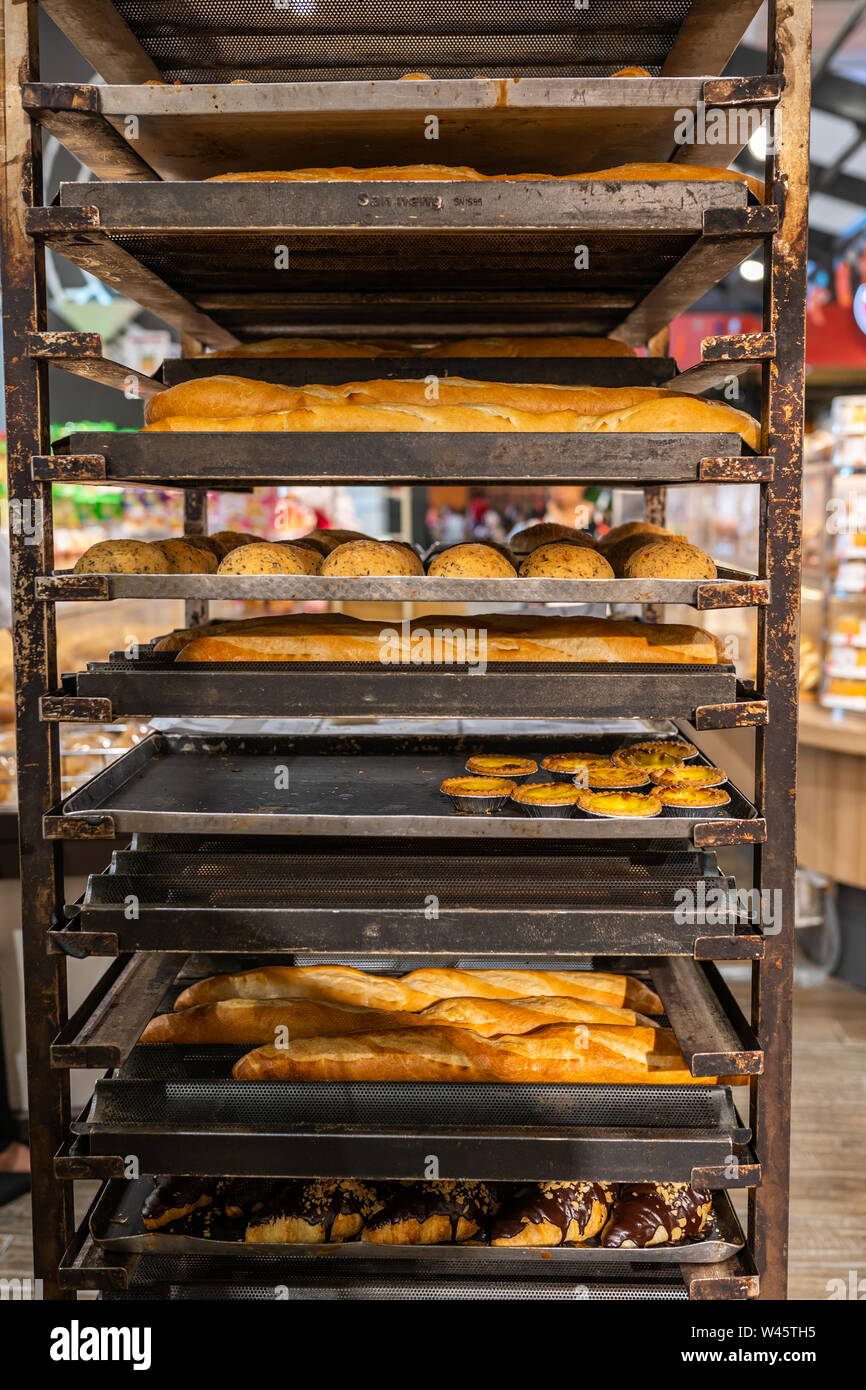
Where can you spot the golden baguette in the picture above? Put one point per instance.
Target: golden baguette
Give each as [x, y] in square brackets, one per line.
[225, 395]
[257, 1020]
[671, 414]
[561, 1053]
[275, 622]
[342, 984]
[435, 640]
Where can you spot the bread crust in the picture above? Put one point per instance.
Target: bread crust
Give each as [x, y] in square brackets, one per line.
[472, 561]
[367, 557]
[565, 560]
[669, 559]
[257, 1021]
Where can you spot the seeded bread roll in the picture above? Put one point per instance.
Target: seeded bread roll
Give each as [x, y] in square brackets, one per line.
[306, 556]
[565, 560]
[415, 561]
[265, 558]
[367, 558]
[618, 555]
[183, 558]
[226, 541]
[203, 543]
[669, 559]
[524, 542]
[630, 528]
[472, 561]
[122, 557]
[330, 539]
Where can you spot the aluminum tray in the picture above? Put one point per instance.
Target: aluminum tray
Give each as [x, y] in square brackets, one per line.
[119, 1206]
[330, 786]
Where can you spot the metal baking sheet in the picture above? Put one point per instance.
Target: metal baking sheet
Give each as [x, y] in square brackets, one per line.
[732, 589]
[116, 1225]
[246, 786]
[392, 458]
[553, 691]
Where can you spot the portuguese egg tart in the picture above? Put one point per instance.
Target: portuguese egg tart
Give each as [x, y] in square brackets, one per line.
[546, 794]
[679, 746]
[600, 778]
[571, 762]
[691, 775]
[613, 803]
[693, 801]
[476, 786]
[501, 765]
[645, 758]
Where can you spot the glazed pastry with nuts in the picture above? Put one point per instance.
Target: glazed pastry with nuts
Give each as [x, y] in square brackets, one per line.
[432, 1213]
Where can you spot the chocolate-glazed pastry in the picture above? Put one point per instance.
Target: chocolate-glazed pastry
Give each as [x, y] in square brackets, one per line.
[243, 1196]
[433, 1213]
[553, 1213]
[657, 1214]
[316, 1212]
[173, 1198]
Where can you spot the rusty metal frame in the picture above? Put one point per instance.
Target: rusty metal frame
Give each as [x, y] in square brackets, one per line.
[778, 352]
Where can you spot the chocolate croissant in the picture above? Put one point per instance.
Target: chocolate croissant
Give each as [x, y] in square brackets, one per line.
[173, 1198]
[244, 1196]
[432, 1213]
[657, 1214]
[317, 1212]
[553, 1213]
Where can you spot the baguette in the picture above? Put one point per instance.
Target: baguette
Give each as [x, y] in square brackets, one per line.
[313, 347]
[671, 413]
[493, 1017]
[342, 984]
[560, 1053]
[440, 639]
[257, 1021]
[518, 346]
[231, 395]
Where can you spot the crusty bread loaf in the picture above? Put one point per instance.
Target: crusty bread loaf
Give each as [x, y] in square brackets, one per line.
[562, 1053]
[183, 558]
[122, 557]
[224, 541]
[619, 554]
[266, 557]
[287, 623]
[669, 558]
[668, 413]
[341, 984]
[491, 1017]
[313, 347]
[542, 532]
[628, 529]
[445, 639]
[458, 390]
[473, 561]
[258, 1021]
[565, 560]
[366, 557]
[230, 395]
[337, 984]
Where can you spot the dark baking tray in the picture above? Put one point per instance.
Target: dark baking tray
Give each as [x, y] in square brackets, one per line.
[116, 1225]
[182, 784]
[560, 690]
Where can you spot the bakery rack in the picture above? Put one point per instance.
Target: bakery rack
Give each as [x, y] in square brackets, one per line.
[514, 89]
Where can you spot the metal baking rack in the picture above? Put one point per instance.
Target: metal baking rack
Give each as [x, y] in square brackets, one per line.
[392, 262]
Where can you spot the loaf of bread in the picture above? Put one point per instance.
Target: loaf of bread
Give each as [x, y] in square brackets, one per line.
[313, 347]
[266, 557]
[669, 558]
[472, 561]
[366, 557]
[458, 391]
[543, 532]
[122, 557]
[316, 1212]
[558, 1053]
[342, 984]
[492, 1017]
[619, 554]
[218, 396]
[553, 1213]
[441, 639]
[648, 1214]
[226, 541]
[432, 1213]
[183, 558]
[252, 1021]
[284, 623]
[628, 529]
[663, 413]
[565, 560]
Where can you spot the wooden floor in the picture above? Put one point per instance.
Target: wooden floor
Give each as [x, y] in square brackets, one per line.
[828, 1184]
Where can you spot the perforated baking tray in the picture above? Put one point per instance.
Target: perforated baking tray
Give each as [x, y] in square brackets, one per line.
[115, 1224]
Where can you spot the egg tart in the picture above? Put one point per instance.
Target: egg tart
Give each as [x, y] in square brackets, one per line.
[501, 765]
[563, 766]
[612, 778]
[703, 803]
[609, 804]
[678, 746]
[692, 775]
[646, 758]
[546, 799]
[477, 796]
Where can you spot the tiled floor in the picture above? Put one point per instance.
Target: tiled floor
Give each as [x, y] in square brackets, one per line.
[828, 1178]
